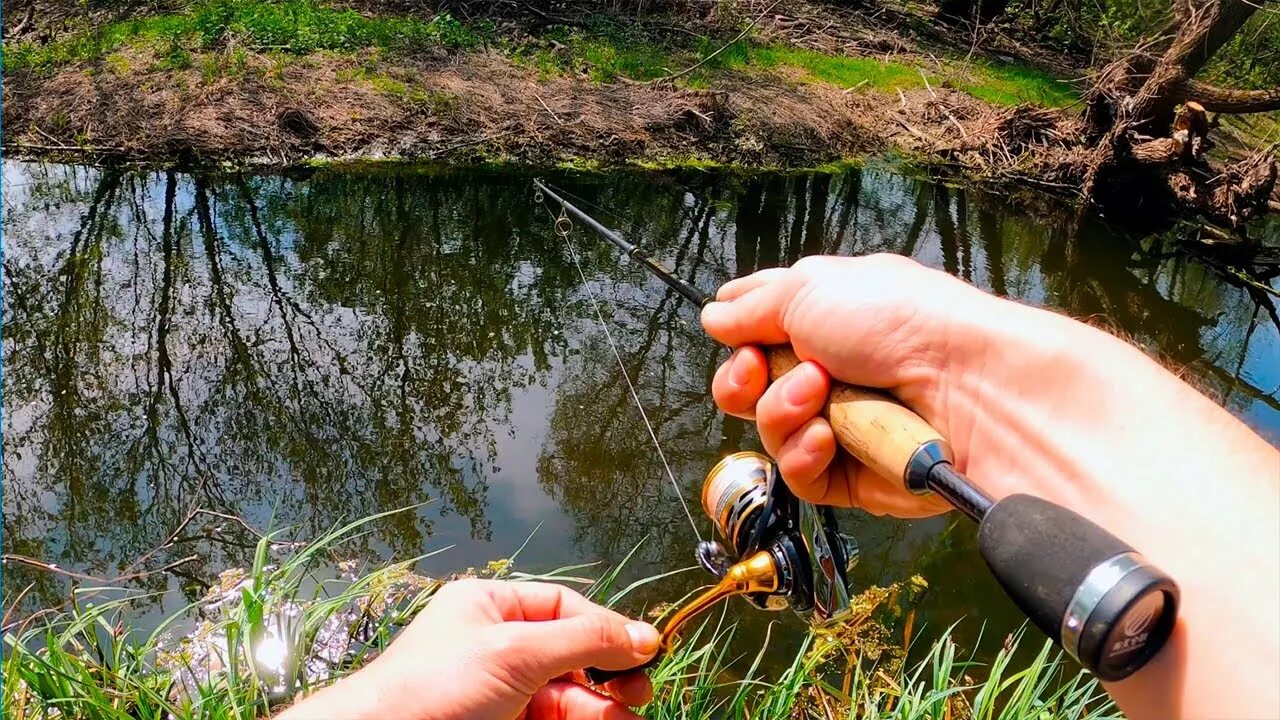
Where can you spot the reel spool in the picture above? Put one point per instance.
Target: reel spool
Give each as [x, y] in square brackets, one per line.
[753, 510]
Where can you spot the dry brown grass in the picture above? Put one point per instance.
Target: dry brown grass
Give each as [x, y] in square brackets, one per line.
[464, 105]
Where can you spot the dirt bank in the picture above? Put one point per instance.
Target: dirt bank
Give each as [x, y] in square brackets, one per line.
[812, 84]
[287, 81]
[460, 106]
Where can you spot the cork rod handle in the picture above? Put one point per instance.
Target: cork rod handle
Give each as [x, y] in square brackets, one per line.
[875, 428]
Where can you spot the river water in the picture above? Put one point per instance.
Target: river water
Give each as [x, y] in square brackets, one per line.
[299, 351]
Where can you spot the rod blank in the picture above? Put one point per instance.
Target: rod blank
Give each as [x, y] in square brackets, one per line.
[689, 292]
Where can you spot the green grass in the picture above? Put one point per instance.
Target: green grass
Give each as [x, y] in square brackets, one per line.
[842, 71]
[994, 83]
[606, 51]
[86, 662]
[1001, 84]
[292, 26]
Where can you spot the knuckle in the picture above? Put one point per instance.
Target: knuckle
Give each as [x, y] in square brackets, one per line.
[890, 260]
[605, 631]
[804, 488]
[500, 643]
[810, 264]
[770, 412]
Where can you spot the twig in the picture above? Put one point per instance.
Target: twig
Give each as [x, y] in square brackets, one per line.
[544, 107]
[903, 98]
[722, 48]
[167, 542]
[166, 568]
[705, 118]
[855, 87]
[51, 138]
[911, 129]
[554, 19]
[927, 86]
[78, 148]
[13, 606]
[240, 521]
[47, 567]
[955, 122]
[50, 567]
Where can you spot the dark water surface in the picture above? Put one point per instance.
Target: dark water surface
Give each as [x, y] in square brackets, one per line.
[299, 352]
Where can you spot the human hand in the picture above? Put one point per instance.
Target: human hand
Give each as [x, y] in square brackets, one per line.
[880, 321]
[1034, 402]
[494, 650]
[1030, 400]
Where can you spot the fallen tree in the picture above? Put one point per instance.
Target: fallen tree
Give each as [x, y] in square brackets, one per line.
[1148, 122]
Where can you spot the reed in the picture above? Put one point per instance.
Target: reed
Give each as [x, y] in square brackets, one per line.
[266, 633]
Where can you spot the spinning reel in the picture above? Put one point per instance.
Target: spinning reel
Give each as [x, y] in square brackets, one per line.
[790, 553]
[755, 513]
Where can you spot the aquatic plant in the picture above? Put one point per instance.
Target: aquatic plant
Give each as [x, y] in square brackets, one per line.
[259, 640]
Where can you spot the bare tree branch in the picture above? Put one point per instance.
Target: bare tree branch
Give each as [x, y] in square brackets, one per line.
[1228, 100]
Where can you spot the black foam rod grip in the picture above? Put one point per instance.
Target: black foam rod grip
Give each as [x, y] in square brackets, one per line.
[1084, 587]
[1041, 552]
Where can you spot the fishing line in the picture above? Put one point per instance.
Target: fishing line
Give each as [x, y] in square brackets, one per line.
[563, 227]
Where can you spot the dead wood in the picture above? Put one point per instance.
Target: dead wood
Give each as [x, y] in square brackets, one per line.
[1227, 100]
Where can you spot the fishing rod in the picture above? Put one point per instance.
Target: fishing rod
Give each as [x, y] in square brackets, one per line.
[1098, 598]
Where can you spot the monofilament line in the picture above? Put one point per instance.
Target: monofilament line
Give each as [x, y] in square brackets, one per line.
[630, 386]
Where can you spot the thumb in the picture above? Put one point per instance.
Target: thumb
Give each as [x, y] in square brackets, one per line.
[552, 648]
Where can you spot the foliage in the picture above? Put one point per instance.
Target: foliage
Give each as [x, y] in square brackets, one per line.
[1104, 27]
[269, 643]
[1012, 84]
[1252, 58]
[293, 26]
[605, 50]
[1108, 28]
[85, 662]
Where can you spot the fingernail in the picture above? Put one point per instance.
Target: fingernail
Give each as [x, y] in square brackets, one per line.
[644, 637]
[740, 370]
[795, 388]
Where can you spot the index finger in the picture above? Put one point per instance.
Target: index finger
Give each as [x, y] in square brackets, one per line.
[741, 286]
[754, 318]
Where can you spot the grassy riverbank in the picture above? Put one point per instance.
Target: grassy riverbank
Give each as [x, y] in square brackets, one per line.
[268, 633]
[255, 81]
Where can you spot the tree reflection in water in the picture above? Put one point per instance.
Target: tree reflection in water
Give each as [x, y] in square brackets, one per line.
[302, 351]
